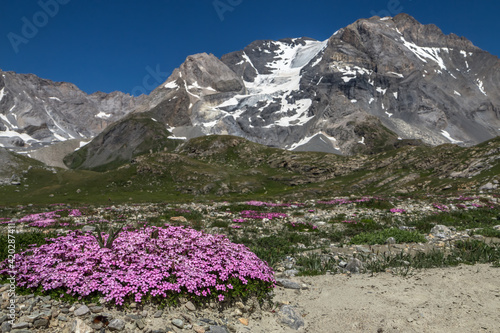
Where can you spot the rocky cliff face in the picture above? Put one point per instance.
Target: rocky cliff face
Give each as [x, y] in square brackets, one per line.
[35, 112]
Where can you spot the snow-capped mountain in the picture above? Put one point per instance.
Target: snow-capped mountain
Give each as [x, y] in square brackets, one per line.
[35, 112]
[376, 84]
[371, 85]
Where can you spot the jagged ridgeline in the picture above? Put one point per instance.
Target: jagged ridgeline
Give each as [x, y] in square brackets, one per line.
[368, 88]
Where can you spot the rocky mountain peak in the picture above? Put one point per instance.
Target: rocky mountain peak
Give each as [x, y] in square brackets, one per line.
[374, 85]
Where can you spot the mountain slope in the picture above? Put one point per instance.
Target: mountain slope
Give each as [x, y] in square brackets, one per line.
[35, 112]
[377, 84]
[225, 167]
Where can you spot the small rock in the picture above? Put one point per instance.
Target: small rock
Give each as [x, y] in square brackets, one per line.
[116, 325]
[354, 266]
[190, 306]
[178, 323]
[96, 309]
[88, 228]
[199, 329]
[289, 317]
[240, 306]
[217, 329]
[140, 324]
[78, 326]
[82, 310]
[244, 321]
[290, 272]
[178, 218]
[441, 231]
[288, 284]
[390, 240]
[20, 325]
[42, 322]
[62, 317]
[6, 327]
[158, 314]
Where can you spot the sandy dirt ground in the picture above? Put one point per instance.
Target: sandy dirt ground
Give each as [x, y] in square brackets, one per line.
[458, 299]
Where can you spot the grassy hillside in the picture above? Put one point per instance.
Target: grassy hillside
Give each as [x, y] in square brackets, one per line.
[231, 168]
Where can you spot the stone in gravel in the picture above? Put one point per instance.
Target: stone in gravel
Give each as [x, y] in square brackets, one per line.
[116, 325]
[198, 329]
[291, 272]
[158, 314]
[244, 321]
[21, 331]
[79, 326]
[42, 322]
[288, 284]
[62, 317]
[134, 316]
[96, 309]
[82, 310]
[217, 329]
[6, 327]
[20, 325]
[441, 231]
[289, 317]
[190, 306]
[3, 318]
[354, 266]
[178, 323]
[140, 324]
[88, 228]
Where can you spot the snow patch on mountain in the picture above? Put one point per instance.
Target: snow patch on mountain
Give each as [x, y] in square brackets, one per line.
[426, 53]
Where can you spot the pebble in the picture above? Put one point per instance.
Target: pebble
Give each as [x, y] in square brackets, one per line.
[82, 310]
[288, 284]
[190, 306]
[178, 323]
[116, 325]
[289, 317]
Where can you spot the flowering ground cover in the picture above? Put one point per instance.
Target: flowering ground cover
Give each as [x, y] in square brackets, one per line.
[152, 262]
[221, 251]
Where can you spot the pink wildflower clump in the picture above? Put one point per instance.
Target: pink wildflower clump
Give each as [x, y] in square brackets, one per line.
[41, 219]
[251, 214]
[75, 213]
[270, 204]
[397, 210]
[151, 261]
[442, 208]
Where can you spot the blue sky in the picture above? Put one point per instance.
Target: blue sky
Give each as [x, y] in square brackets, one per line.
[132, 46]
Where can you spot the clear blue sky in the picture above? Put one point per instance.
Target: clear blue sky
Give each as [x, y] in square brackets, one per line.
[112, 45]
